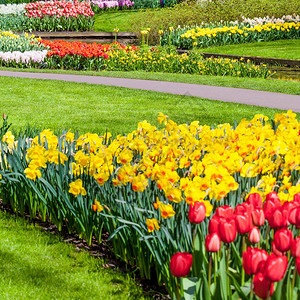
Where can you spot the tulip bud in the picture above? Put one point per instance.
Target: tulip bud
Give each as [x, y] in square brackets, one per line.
[288, 206]
[213, 225]
[294, 216]
[275, 250]
[254, 235]
[282, 239]
[279, 218]
[255, 199]
[252, 258]
[225, 211]
[227, 230]
[197, 212]
[295, 247]
[273, 196]
[297, 198]
[4, 116]
[262, 287]
[270, 205]
[180, 264]
[212, 242]
[275, 267]
[258, 217]
[243, 223]
[298, 265]
[243, 208]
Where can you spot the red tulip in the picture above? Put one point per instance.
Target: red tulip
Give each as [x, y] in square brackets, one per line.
[282, 239]
[180, 264]
[241, 209]
[279, 218]
[298, 265]
[225, 211]
[295, 247]
[297, 198]
[254, 235]
[288, 206]
[269, 206]
[258, 217]
[212, 242]
[243, 223]
[262, 287]
[252, 258]
[275, 267]
[197, 212]
[275, 250]
[272, 196]
[213, 225]
[255, 199]
[294, 216]
[227, 230]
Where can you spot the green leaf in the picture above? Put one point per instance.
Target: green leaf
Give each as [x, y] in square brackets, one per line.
[238, 287]
[189, 287]
[223, 276]
[206, 289]
[48, 185]
[116, 231]
[278, 291]
[128, 222]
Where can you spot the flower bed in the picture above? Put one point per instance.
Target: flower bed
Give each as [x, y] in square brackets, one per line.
[159, 192]
[202, 37]
[12, 42]
[100, 5]
[12, 9]
[83, 56]
[50, 16]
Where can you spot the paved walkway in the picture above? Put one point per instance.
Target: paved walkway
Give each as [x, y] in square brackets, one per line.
[244, 96]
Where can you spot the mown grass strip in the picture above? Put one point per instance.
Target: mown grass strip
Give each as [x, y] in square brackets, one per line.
[36, 265]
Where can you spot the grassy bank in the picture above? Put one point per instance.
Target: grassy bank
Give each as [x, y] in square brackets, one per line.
[285, 49]
[96, 108]
[108, 21]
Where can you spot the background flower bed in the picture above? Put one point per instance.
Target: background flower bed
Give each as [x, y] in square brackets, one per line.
[202, 37]
[50, 16]
[155, 174]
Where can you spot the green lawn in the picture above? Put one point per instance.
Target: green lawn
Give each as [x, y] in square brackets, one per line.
[108, 21]
[96, 108]
[270, 85]
[286, 49]
[36, 265]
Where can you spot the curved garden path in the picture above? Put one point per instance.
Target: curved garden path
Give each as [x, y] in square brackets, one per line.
[237, 95]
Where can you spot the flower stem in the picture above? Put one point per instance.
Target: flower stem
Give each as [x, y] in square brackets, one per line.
[209, 271]
[267, 238]
[227, 267]
[293, 282]
[243, 250]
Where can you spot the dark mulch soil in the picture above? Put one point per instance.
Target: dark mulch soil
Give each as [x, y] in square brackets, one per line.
[104, 251]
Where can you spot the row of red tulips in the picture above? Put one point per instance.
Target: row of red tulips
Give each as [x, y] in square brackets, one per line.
[58, 9]
[265, 264]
